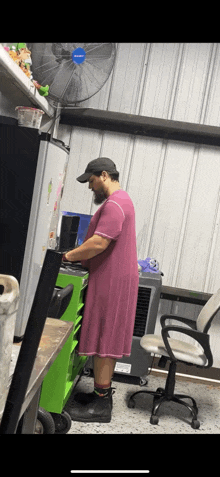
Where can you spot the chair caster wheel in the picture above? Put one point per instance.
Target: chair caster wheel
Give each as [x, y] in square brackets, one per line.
[154, 419]
[131, 404]
[143, 382]
[160, 390]
[195, 424]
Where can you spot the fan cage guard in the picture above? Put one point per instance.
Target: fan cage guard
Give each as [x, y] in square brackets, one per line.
[69, 82]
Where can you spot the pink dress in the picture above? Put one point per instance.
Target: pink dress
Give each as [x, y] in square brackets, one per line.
[110, 307]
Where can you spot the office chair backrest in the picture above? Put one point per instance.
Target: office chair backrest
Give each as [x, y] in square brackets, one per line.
[208, 312]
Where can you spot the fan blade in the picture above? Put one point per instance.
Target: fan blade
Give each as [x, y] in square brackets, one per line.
[62, 79]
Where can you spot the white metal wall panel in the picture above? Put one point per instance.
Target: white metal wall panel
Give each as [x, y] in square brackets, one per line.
[121, 91]
[192, 82]
[160, 79]
[176, 196]
[127, 77]
[174, 185]
[178, 81]
[212, 116]
[119, 148]
[83, 148]
[200, 224]
[169, 205]
[143, 187]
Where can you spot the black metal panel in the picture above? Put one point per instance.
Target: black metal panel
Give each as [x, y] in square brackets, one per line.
[141, 125]
[142, 311]
[19, 149]
[182, 295]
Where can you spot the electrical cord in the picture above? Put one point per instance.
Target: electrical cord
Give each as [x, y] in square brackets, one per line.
[63, 108]
[56, 117]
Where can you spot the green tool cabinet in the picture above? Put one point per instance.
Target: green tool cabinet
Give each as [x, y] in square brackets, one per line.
[59, 381]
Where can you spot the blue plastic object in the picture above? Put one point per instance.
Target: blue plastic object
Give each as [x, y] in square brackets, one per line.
[149, 265]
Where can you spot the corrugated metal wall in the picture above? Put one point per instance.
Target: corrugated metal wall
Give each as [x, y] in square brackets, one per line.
[174, 185]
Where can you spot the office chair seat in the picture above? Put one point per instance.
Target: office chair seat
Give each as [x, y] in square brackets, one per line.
[174, 350]
[182, 351]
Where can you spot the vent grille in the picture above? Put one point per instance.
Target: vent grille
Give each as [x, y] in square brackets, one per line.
[142, 311]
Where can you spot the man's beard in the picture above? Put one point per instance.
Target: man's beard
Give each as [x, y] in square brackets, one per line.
[99, 197]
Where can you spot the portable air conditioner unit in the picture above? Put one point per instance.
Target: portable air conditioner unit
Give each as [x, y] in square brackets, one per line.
[137, 364]
[149, 291]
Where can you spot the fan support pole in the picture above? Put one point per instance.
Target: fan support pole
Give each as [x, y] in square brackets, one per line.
[56, 121]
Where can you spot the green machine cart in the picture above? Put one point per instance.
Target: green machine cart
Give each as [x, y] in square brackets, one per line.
[61, 377]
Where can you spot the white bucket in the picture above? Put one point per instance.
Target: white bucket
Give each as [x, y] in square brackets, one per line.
[9, 301]
[29, 117]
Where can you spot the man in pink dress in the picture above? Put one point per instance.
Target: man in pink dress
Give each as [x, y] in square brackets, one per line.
[109, 252]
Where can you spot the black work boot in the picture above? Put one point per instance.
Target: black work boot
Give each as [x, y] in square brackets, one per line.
[97, 410]
[86, 398]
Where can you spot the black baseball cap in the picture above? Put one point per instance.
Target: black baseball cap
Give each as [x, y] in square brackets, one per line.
[97, 165]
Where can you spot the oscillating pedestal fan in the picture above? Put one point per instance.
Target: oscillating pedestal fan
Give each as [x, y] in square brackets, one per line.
[73, 71]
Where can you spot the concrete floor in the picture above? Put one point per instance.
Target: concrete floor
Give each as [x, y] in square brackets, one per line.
[173, 418]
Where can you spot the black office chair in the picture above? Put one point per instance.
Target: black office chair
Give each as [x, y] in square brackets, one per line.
[174, 350]
[60, 301]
